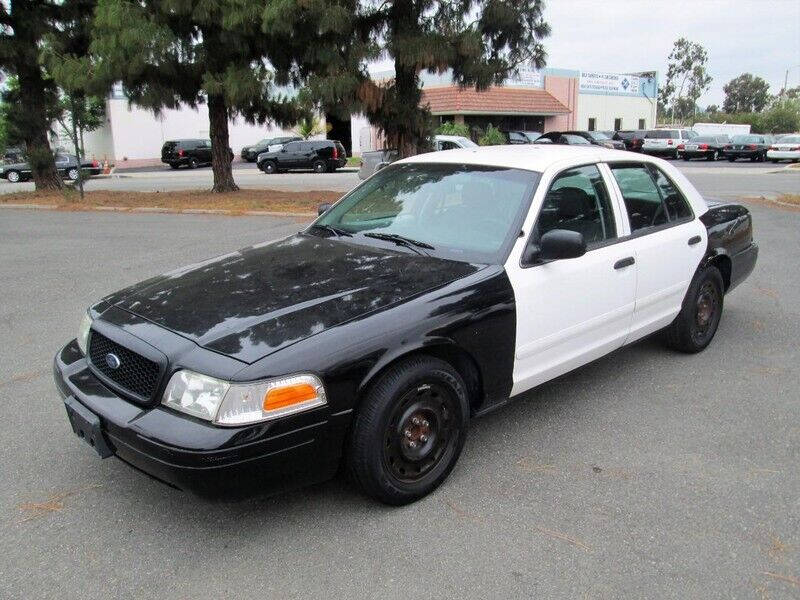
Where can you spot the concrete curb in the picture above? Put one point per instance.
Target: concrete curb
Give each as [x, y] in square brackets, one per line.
[164, 210]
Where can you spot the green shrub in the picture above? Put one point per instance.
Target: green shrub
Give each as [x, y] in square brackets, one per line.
[453, 128]
[492, 137]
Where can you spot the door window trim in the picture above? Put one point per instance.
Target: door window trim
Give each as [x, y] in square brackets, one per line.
[619, 218]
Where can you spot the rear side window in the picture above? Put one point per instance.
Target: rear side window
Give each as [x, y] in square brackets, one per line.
[578, 201]
[651, 199]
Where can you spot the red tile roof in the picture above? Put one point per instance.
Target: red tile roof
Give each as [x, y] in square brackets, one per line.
[496, 100]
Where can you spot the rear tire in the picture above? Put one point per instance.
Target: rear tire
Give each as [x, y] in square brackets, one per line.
[320, 166]
[731, 159]
[194, 163]
[175, 166]
[695, 326]
[409, 431]
[713, 156]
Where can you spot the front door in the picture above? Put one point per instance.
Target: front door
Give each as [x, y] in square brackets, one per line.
[572, 311]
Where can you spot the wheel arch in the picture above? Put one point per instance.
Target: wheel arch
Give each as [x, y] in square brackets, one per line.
[443, 349]
[722, 262]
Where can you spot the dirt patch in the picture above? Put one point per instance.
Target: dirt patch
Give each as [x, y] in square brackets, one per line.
[239, 202]
[790, 202]
[793, 199]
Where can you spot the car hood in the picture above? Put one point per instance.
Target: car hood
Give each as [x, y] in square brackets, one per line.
[253, 302]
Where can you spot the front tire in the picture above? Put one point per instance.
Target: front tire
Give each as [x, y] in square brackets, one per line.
[713, 156]
[269, 167]
[72, 174]
[731, 158]
[13, 176]
[409, 431]
[695, 326]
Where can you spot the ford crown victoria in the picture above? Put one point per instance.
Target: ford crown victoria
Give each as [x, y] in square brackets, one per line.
[435, 291]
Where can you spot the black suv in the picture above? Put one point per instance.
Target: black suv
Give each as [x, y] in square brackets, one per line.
[320, 155]
[250, 153]
[189, 153]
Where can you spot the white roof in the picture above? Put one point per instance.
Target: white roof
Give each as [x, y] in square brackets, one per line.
[541, 157]
[531, 157]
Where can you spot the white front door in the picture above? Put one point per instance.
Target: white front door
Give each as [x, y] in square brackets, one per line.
[572, 311]
[669, 243]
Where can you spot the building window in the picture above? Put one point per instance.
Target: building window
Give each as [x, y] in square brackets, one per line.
[617, 124]
[592, 124]
[642, 124]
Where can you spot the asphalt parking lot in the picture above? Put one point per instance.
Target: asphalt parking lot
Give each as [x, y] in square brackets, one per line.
[647, 474]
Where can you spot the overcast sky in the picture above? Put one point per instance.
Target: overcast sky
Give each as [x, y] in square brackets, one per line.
[761, 37]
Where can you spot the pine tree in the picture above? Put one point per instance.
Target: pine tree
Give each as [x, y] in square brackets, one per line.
[24, 24]
[481, 42]
[172, 52]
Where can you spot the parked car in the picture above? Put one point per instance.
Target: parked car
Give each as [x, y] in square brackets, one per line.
[323, 156]
[596, 138]
[250, 153]
[66, 164]
[522, 137]
[375, 160]
[451, 142]
[632, 139]
[566, 139]
[710, 147]
[430, 294]
[189, 153]
[787, 148]
[752, 146]
[665, 142]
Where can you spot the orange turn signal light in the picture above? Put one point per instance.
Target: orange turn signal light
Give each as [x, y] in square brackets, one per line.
[289, 395]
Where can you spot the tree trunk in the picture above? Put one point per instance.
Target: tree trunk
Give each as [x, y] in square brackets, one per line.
[408, 95]
[220, 152]
[35, 128]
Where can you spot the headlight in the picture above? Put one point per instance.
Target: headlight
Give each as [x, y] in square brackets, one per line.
[227, 403]
[83, 332]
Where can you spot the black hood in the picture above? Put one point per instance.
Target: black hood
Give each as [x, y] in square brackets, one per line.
[250, 303]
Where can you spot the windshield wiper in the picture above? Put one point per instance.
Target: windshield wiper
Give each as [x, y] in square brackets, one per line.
[402, 241]
[337, 231]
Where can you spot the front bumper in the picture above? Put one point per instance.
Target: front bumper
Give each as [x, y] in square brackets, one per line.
[192, 454]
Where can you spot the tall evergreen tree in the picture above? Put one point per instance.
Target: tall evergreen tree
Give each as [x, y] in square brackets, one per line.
[173, 52]
[24, 24]
[481, 42]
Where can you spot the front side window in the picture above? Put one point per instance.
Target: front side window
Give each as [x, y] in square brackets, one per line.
[651, 199]
[292, 147]
[470, 213]
[578, 201]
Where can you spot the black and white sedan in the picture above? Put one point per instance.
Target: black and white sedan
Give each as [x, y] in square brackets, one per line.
[432, 293]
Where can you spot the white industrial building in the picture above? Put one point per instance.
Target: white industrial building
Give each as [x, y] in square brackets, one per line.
[546, 100]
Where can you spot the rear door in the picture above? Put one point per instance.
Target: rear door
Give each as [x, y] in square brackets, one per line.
[572, 311]
[668, 242]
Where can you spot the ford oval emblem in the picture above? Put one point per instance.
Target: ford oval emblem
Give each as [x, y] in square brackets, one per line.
[112, 360]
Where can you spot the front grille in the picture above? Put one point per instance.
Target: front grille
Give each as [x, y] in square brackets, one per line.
[135, 373]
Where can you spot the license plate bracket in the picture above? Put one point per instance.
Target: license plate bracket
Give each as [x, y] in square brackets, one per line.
[86, 426]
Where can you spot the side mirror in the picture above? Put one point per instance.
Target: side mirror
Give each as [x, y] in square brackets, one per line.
[556, 244]
[323, 208]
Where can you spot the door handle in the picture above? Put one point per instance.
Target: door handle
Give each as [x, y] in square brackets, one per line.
[695, 240]
[624, 262]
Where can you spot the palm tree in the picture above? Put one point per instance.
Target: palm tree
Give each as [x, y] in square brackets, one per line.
[311, 126]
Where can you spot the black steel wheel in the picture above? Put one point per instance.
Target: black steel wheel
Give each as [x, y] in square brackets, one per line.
[194, 163]
[320, 166]
[409, 430]
[695, 326]
[269, 167]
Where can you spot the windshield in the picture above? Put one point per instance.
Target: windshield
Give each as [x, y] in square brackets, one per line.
[662, 134]
[469, 213]
[465, 142]
[746, 139]
[598, 135]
